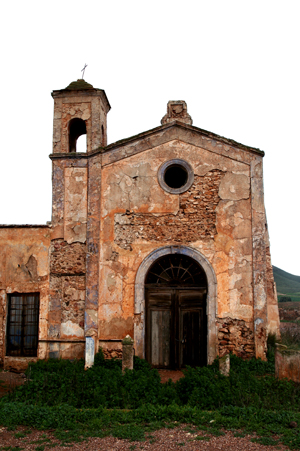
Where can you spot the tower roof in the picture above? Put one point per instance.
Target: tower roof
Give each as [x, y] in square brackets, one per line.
[79, 85]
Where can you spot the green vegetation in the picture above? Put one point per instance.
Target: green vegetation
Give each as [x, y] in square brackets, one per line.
[54, 382]
[76, 404]
[285, 299]
[291, 339]
[287, 285]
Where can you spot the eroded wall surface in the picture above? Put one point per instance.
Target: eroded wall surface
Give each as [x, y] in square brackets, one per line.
[67, 294]
[110, 212]
[215, 216]
[24, 268]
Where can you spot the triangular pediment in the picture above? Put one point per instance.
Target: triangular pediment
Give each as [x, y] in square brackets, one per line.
[176, 131]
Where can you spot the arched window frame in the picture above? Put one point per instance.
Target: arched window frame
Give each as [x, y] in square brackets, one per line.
[75, 131]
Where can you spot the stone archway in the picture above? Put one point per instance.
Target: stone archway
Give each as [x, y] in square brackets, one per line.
[139, 301]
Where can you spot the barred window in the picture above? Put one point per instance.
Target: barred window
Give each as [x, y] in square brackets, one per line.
[23, 325]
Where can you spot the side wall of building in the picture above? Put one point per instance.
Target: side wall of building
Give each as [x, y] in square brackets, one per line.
[24, 268]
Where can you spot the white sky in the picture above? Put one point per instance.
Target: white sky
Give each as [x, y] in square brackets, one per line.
[235, 63]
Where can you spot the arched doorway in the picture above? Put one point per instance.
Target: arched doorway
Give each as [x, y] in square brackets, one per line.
[176, 321]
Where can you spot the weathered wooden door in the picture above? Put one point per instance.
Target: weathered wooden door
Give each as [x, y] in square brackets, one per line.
[175, 326]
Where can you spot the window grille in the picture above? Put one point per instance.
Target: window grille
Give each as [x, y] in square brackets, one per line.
[22, 325]
[176, 269]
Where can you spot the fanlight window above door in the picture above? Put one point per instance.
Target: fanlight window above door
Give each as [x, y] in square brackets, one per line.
[176, 270]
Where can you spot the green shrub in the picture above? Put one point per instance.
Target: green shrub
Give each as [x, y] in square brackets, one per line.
[61, 382]
[285, 299]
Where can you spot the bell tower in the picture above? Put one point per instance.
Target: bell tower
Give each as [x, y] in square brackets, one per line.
[79, 109]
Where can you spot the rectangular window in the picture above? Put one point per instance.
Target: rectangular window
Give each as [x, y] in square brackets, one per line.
[23, 325]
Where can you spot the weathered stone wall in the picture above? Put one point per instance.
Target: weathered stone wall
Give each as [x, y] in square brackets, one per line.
[272, 299]
[114, 353]
[24, 268]
[214, 216]
[76, 218]
[236, 337]
[67, 290]
[68, 258]
[93, 250]
[196, 217]
[110, 212]
[90, 106]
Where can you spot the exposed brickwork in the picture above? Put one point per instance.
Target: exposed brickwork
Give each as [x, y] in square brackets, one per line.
[73, 299]
[67, 288]
[67, 258]
[112, 353]
[236, 337]
[195, 219]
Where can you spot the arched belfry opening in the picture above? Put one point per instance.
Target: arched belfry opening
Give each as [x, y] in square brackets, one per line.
[175, 312]
[77, 128]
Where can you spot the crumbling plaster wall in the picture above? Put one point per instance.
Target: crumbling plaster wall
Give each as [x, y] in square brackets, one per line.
[24, 268]
[90, 108]
[214, 217]
[68, 259]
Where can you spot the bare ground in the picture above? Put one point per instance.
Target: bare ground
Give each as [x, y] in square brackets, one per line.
[182, 438]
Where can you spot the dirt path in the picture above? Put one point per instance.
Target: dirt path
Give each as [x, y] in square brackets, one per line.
[183, 438]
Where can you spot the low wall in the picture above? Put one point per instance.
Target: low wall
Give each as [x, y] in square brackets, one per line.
[287, 364]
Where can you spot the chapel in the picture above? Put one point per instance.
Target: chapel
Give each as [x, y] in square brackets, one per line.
[161, 236]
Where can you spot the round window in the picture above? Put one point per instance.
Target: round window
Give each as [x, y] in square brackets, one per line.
[175, 176]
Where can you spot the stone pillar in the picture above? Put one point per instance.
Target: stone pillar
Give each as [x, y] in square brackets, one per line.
[127, 353]
[259, 259]
[224, 365]
[93, 249]
[89, 352]
[2, 322]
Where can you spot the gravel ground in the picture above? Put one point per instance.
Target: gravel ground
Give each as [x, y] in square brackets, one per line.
[182, 438]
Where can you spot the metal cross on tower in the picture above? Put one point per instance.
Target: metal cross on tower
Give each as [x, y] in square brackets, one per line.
[82, 70]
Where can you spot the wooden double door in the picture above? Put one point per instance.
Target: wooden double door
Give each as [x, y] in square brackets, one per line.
[176, 327]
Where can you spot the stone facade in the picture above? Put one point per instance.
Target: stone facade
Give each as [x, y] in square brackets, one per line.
[111, 214]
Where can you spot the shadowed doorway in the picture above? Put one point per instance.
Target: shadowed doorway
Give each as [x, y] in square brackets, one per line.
[176, 322]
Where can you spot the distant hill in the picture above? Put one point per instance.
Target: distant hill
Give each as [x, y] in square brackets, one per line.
[287, 283]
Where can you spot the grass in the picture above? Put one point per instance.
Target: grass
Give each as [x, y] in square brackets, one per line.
[103, 401]
[78, 424]
[59, 383]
